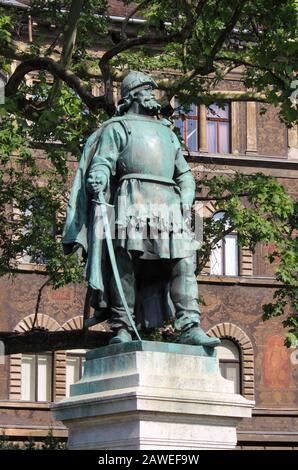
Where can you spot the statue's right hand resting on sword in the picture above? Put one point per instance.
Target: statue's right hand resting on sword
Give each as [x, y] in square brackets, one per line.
[97, 182]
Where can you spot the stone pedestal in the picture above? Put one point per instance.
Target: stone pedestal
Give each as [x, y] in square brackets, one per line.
[148, 395]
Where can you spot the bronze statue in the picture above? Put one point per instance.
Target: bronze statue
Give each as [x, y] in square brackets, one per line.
[135, 163]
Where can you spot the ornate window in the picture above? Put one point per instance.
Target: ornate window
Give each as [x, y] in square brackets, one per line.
[224, 260]
[229, 362]
[37, 377]
[218, 128]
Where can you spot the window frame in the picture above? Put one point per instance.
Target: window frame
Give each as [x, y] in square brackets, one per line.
[223, 251]
[52, 376]
[82, 358]
[225, 255]
[184, 118]
[218, 120]
[238, 362]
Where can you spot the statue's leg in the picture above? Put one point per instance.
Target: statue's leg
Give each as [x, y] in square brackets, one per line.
[119, 321]
[184, 294]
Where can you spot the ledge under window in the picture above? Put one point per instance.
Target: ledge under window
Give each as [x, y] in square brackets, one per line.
[238, 280]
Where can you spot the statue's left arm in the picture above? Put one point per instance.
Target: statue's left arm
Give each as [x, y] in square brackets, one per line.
[183, 177]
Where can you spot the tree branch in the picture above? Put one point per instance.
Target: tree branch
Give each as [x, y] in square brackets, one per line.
[255, 28]
[126, 43]
[238, 62]
[228, 29]
[178, 84]
[129, 16]
[69, 40]
[95, 102]
[52, 46]
[187, 10]
[70, 33]
[158, 39]
[40, 290]
[15, 51]
[19, 51]
[200, 6]
[57, 70]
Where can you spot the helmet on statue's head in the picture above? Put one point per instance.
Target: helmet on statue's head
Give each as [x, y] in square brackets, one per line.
[134, 80]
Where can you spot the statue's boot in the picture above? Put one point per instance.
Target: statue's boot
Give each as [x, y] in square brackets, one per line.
[123, 336]
[198, 337]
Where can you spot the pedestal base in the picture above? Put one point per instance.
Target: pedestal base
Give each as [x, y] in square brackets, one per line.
[148, 395]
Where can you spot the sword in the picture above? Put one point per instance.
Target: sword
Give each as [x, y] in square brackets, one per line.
[100, 200]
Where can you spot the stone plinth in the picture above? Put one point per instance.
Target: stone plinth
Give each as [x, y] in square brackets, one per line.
[148, 395]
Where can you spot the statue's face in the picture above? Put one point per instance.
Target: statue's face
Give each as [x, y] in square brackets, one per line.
[146, 99]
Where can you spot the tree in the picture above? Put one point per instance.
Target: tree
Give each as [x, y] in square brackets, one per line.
[190, 46]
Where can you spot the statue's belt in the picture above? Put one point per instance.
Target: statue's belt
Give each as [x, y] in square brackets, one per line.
[142, 176]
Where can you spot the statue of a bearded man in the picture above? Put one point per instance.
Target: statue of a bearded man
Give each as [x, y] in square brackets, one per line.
[135, 160]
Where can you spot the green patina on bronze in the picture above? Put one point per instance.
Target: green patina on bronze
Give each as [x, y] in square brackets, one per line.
[137, 161]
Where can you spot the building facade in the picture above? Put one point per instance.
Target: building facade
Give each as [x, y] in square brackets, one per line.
[235, 284]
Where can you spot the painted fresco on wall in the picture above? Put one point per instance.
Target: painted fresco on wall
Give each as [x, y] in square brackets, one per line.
[276, 384]
[276, 363]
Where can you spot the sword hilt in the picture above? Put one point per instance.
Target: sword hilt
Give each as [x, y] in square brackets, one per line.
[100, 199]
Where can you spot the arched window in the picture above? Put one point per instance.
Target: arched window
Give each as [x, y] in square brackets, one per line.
[236, 347]
[37, 377]
[229, 362]
[224, 260]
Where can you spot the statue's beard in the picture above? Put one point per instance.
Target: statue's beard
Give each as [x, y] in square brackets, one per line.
[150, 105]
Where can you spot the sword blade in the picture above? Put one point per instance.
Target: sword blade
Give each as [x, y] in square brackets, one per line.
[102, 203]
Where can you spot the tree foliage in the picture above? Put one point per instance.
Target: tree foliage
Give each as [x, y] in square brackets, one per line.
[193, 45]
[258, 208]
[50, 442]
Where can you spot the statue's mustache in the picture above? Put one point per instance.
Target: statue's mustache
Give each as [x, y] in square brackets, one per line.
[151, 103]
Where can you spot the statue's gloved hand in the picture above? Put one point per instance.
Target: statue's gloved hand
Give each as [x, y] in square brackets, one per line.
[97, 182]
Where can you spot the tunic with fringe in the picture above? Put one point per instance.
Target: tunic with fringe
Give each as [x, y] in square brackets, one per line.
[143, 158]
